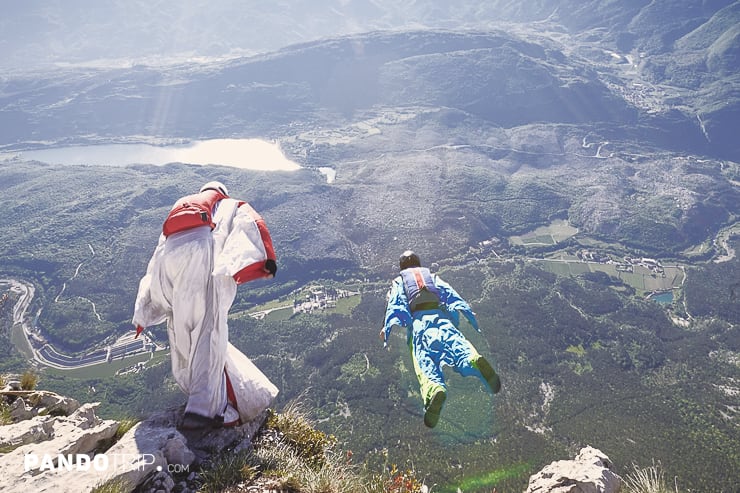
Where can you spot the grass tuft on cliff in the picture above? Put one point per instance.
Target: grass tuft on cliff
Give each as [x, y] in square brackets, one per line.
[291, 455]
[648, 480]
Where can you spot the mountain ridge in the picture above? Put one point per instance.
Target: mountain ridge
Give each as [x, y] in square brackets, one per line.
[174, 28]
[518, 81]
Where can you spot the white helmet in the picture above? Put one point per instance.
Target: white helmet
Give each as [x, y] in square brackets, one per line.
[215, 185]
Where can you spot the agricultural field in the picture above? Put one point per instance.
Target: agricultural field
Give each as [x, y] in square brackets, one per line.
[552, 234]
[642, 279]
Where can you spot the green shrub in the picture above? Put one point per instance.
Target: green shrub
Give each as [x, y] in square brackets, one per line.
[5, 418]
[227, 470]
[29, 379]
[124, 425]
[285, 470]
[298, 432]
[290, 455]
[395, 481]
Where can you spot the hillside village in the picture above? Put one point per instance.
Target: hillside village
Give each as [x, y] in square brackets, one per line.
[628, 264]
[310, 299]
[320, 298]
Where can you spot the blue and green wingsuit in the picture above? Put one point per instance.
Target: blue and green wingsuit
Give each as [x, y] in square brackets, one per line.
[429, 309]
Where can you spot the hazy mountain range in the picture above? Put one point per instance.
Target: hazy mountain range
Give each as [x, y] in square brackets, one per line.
[452, 130]
[634, 61]
[41, 33]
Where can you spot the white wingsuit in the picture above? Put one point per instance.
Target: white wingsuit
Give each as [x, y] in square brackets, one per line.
[190, 283]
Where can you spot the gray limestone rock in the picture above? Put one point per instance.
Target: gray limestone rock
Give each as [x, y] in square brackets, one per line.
[62, 446]
[590, 472]
[33, 430]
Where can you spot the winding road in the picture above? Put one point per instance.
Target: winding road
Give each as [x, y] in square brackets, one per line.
[45, 354]
[722, 242]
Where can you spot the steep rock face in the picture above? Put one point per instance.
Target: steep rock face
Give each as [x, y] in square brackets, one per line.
[55, 444]
[589, 472]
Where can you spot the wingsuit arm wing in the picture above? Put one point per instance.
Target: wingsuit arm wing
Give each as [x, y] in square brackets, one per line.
[148, 309]
[397, 312]
[244, 244]
[455, 303]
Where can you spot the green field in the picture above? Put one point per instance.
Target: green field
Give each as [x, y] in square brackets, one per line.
[557, 231]
[642, 278]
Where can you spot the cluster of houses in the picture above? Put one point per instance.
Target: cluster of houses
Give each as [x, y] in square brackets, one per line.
[649, 263]
[628, 265]
[319, 298]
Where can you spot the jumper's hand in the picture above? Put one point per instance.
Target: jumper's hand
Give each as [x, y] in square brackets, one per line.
[271, 267]
[382, 337]
[473, 321]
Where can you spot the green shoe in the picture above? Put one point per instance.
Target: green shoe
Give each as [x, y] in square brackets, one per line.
[431, 416]
[490, 376]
